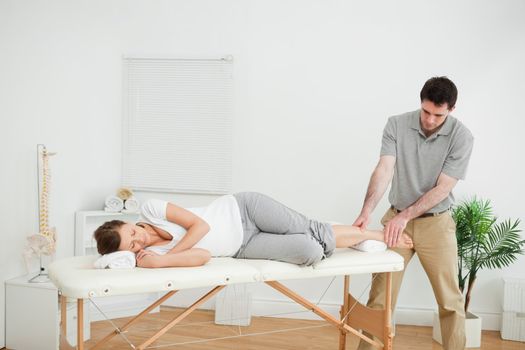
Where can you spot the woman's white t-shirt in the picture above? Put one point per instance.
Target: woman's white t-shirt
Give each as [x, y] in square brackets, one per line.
[222, 215]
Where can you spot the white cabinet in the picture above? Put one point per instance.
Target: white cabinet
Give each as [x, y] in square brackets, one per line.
[33, 316]
[513, 320]
[86, 222]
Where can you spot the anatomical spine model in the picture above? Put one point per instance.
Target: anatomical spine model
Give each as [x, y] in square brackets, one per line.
[42, 243]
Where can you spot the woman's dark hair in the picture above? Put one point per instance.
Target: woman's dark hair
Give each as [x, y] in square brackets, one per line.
[440, 90]
[107, 236]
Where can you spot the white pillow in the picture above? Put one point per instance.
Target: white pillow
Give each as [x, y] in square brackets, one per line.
[123, 259]
[370, 246]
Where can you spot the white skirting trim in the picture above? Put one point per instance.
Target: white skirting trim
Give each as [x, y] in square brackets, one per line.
[403, 316]
[491, 321]
[289, 309]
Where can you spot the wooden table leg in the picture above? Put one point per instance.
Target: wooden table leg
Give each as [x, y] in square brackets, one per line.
[387, 337]
[80, 324]
[344, 311]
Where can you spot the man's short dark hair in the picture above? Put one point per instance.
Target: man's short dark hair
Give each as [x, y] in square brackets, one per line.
[440, 90]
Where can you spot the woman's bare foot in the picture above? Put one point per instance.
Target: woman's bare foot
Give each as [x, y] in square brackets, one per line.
[405, 242]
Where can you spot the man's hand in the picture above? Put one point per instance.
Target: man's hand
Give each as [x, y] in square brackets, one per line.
[394, 228]
[361, 222]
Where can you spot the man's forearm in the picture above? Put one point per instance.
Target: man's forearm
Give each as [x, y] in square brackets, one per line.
[425, 203]
[431, 198]
[376, 189]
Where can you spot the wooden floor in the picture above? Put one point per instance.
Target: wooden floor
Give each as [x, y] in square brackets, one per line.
[314, 335]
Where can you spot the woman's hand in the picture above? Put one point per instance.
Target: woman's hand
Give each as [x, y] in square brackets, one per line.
[147, 258]
[143, 252]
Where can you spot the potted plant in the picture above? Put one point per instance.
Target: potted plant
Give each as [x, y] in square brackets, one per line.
[482, 244]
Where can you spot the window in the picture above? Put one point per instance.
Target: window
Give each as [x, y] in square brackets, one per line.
[177, 125]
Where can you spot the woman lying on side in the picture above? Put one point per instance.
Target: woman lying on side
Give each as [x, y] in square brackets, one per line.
[244, 225]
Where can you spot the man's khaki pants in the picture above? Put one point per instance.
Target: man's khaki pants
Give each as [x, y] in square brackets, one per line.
[435, 244]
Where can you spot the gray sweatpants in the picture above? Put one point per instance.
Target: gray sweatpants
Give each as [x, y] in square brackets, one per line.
[275, 232]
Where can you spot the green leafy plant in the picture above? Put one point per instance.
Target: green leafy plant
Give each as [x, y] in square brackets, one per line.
[483, 243]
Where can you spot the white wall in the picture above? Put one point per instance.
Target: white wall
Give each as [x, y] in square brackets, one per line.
[315, 82]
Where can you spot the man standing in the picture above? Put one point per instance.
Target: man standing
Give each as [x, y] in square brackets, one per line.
[424, 153]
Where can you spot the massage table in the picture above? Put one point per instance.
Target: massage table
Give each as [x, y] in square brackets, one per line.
[76, 278]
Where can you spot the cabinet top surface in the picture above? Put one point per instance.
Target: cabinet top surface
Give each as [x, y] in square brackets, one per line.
[23, 281]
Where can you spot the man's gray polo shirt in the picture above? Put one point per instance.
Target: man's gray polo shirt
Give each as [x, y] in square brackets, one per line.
[420, 159]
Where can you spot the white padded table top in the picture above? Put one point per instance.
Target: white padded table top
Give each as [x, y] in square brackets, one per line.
[77, 278]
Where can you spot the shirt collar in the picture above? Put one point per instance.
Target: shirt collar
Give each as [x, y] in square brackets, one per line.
[445, 129]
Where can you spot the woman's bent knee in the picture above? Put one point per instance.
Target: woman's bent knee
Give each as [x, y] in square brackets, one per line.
[312, 256]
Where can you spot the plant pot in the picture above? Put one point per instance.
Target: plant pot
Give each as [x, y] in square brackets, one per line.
[472, 330]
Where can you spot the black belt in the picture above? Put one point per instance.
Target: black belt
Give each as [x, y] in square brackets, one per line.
[424, 215]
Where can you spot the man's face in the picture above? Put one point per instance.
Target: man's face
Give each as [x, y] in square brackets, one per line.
[433, 116]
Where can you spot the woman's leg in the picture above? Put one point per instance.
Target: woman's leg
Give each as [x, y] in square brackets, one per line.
[269, 216]
[295, 248]
[347, 236]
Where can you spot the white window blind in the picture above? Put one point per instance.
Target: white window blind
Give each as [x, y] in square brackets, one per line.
[177, 125]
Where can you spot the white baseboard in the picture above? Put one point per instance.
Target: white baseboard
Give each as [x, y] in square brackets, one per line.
[289, 309]
[402, 316]
[423, 317]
